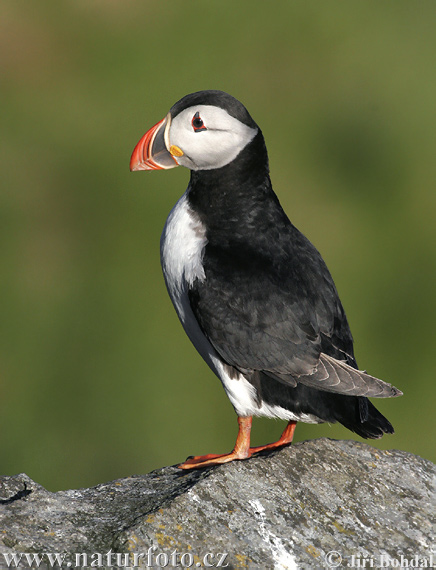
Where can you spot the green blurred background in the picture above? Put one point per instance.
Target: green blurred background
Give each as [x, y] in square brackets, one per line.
[97, 378]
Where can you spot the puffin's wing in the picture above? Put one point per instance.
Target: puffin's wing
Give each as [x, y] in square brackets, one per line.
[259, 317]
[252, 325]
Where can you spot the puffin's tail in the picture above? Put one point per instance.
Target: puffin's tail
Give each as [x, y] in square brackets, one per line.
[370, 423]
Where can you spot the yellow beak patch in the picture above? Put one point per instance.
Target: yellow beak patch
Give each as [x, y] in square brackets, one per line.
[176, 151]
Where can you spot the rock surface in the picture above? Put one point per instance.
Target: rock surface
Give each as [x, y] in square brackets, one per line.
[316, 504]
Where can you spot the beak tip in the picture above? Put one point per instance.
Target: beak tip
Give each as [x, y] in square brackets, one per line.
[136, 160]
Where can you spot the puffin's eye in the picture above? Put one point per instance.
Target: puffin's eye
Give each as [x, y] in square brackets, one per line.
[197, 123]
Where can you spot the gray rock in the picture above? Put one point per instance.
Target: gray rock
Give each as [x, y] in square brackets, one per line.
[317, 504]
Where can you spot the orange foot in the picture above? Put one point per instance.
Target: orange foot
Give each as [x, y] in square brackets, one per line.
[242, 449]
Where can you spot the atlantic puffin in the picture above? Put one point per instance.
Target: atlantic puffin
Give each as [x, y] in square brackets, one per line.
[252, 293]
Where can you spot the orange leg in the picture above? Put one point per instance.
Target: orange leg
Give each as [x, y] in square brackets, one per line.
[242, 449]
[285, 439]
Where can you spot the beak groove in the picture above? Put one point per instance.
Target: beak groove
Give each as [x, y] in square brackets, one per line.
[151, 152]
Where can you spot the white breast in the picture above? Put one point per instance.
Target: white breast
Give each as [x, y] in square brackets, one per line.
[182, 246]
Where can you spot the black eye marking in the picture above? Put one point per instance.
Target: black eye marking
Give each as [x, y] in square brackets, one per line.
[197, 123]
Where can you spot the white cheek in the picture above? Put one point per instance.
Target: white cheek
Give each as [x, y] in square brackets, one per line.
[210, 149]
[215, 147]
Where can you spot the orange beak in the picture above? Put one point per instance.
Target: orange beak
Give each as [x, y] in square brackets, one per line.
[151, 152]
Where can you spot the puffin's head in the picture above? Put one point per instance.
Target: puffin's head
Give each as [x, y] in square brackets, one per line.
[202, 131]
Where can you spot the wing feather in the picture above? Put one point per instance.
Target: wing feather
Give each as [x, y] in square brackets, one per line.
[343, 379]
